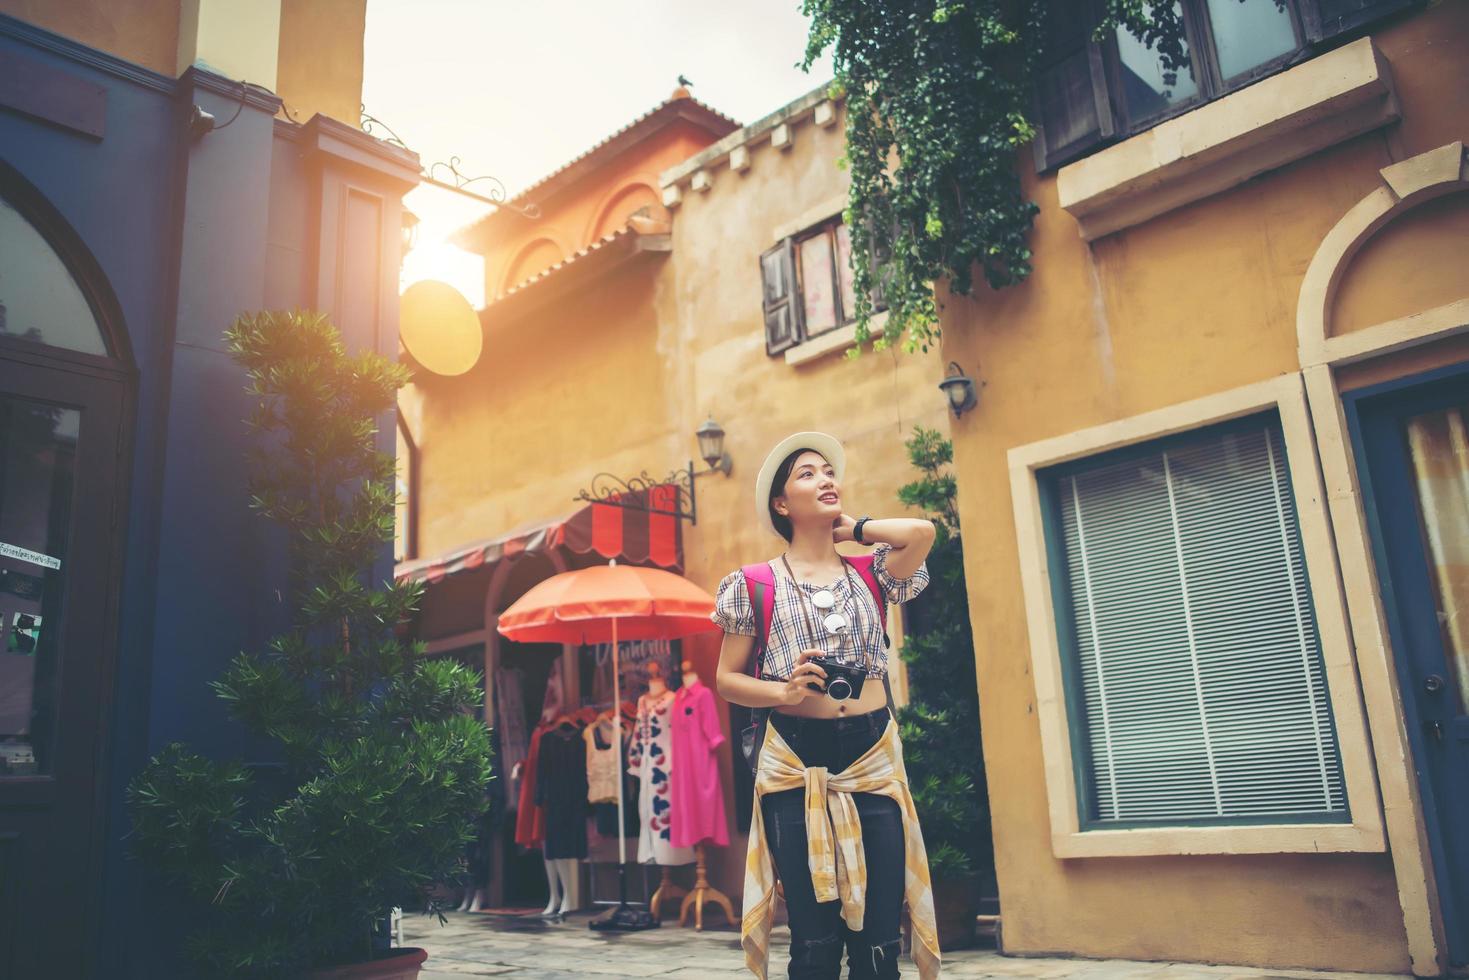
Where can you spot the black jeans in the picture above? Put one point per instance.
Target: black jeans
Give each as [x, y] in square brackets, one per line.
[818, 934]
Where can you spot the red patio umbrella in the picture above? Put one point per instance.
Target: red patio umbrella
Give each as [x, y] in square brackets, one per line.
[608, 603]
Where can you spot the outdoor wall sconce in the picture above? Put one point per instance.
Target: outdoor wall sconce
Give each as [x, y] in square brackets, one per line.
[410, 230]
[674, 494]
[201, 121]
[711, 447]
[960, 389]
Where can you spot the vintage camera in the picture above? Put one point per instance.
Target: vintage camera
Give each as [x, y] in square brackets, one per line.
[843, 681]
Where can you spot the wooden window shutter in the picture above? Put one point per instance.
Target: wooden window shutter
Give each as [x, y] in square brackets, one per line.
[781, 299]
[1073, 110]
[882, 254]
[1326, 19]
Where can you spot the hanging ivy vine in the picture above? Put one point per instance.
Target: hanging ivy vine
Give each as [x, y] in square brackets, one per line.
[938, 106]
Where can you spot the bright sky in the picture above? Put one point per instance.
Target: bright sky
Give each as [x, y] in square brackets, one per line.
[517, 89]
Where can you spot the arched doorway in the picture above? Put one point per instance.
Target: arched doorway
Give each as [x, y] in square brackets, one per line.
[65, 422]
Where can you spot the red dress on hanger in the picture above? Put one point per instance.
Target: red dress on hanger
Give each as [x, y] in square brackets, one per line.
[530, 819]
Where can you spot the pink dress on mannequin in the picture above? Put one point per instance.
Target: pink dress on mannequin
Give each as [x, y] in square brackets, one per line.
[698, 797]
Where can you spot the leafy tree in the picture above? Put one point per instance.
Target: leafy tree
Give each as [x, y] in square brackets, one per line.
[385, 763]
[938, 97]
[940, 724]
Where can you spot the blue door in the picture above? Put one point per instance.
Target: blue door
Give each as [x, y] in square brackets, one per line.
[1412, 444]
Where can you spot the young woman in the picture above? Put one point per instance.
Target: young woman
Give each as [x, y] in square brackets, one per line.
[833, 816]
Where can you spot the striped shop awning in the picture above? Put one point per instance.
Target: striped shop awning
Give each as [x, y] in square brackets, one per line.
[626, 533]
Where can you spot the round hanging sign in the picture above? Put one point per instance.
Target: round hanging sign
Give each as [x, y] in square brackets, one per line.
[439, 327]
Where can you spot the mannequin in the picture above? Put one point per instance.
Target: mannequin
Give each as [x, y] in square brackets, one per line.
[650, 759]
[698, 795]
[657, 686]
[474, 899]
[561, 792]
[560, 873]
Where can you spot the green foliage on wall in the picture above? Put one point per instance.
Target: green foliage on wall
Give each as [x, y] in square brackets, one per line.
[938, 97]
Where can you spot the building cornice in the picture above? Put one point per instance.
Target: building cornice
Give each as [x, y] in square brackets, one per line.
[101, 61]
[761, 131]
[330, 139]
[254, 96]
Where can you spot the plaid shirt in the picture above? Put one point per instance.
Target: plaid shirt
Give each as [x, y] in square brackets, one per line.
[791, 628]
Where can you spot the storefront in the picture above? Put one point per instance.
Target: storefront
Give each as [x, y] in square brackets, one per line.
[528, 685]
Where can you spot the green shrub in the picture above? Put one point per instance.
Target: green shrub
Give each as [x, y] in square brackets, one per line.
[940, 724]
[385, 764]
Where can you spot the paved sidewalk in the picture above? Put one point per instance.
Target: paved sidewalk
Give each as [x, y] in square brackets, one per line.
[478, 945]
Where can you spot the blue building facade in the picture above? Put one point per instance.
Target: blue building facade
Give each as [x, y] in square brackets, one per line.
[131, 568]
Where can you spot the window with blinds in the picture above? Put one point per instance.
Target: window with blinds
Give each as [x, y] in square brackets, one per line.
[1195, 682]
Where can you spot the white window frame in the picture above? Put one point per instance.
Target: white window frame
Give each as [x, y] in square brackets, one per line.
[1287, 396]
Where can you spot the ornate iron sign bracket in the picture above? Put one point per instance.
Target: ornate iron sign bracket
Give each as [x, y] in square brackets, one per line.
[458, 182]
[637, 493]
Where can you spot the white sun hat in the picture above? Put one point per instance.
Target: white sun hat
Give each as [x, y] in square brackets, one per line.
[820, 442]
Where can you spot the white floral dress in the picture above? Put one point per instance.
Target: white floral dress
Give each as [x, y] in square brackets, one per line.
[650, 758]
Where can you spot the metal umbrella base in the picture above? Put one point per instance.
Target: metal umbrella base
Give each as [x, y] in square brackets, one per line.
[624, 918]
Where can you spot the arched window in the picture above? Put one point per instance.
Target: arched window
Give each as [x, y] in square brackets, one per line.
[39, 298]
[627, 201]
[534, 258]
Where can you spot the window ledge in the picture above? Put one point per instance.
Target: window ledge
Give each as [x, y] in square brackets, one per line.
[837, 340]
[1251, 839]
[1314, 105]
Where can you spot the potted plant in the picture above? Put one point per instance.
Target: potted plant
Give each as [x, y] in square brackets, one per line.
[383, 765]
[943, 708]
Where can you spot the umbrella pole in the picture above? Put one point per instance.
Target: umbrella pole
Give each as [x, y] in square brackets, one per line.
[624, 917]
[617, 730]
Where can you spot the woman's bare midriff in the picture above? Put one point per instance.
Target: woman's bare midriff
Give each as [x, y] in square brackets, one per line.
[820, 706]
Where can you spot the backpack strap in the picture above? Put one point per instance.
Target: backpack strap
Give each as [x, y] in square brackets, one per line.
[760, 583]
[862, 565]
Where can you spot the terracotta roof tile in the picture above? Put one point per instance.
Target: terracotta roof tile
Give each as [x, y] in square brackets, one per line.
[547, 272]
[680, 96]
[640, 235]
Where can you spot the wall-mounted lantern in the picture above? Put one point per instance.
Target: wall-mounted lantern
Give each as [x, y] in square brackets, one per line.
[410, 231]
[959, 387]
[711, 447]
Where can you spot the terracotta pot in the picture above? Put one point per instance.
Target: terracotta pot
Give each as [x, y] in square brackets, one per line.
[955, 904]
[399, 964]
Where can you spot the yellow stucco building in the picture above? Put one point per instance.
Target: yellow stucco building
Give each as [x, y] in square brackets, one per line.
[1213, 497]
[683, 269]
[1212, 492]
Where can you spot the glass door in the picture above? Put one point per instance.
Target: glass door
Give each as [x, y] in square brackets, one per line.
[1416, 444]
[59, 567]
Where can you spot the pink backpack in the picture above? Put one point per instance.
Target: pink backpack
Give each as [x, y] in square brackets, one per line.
[760, 581]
